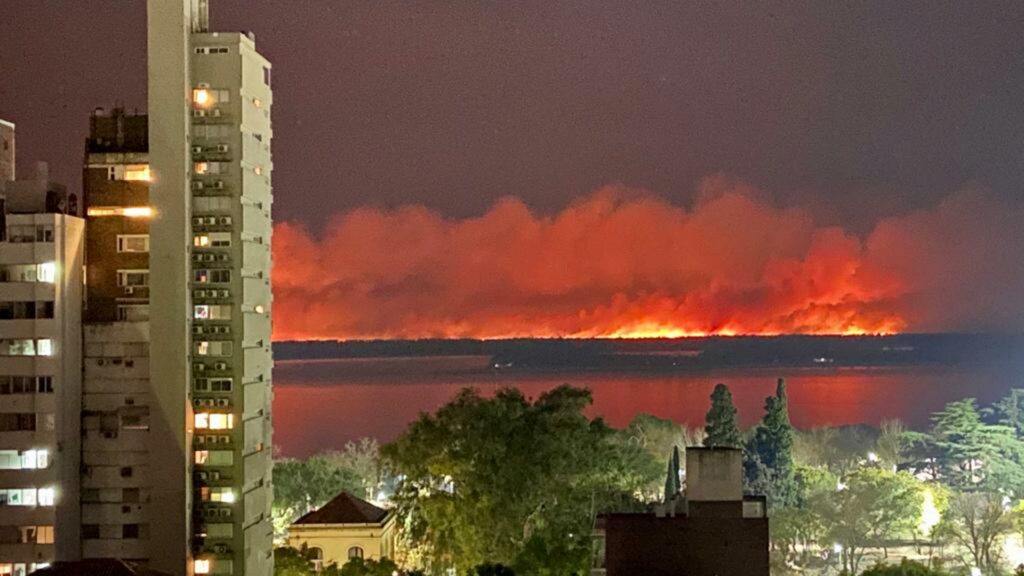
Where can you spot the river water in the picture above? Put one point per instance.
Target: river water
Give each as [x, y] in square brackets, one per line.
[321, 404]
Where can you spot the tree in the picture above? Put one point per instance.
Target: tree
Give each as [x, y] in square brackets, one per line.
[769, 458]
[361, 567]
[362, 460]
[657, 437]
[871, 508]
[904, 568]
[1010, 411]
[973, 455]
[720, 427]
[891, 445]
[489, 569]
[512, 481]
[304, 485]
[977, 523]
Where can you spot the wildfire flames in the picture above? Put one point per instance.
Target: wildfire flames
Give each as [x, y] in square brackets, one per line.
[623, 263]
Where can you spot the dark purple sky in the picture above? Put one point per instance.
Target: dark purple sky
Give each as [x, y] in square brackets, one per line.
[852, 110]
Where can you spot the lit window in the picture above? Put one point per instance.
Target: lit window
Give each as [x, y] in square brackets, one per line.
[202, 456]
[214, 421]
[46, 272]
[137, 172]
[44, 347]
[201, 566]
[201, 98]
[222, 421]
[126, 211]
[217, 494]
[201, 240]
[46, 496]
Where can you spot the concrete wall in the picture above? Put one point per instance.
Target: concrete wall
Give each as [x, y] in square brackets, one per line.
[376, 540]
[169, 29]
[714, 474]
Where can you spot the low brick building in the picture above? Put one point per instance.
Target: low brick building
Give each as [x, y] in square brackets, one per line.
[713, 531]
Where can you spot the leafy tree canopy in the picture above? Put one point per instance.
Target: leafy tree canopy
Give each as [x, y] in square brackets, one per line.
[720, 425]
[509, 480]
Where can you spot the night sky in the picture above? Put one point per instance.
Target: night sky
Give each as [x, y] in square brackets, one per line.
[847, 112]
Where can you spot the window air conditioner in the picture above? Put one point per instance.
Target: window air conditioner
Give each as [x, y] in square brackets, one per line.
[223, 402]
[197, 149]
[222, 147]
[129, 290]
[215, 112]
[197, 185]
[221, 366]
[199, 367]
[219, 184]
[225, 220]
[203, 475]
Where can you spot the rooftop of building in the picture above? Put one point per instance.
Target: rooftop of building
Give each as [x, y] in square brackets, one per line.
[117, 130]
[345, 509]
[95, 567]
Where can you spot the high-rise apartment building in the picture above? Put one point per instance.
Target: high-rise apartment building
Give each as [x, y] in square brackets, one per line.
[210, 299]
[135, 359]
[41, 250]
[116, 449]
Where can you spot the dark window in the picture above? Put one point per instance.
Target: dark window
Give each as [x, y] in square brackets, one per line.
[130, 531]
[90, 531]
[355, 552]
[126, 472]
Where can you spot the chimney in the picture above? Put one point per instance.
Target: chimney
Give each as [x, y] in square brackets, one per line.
[714, 475]
[42, 172]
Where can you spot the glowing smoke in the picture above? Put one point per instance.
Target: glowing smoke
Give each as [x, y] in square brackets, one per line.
[624, 263]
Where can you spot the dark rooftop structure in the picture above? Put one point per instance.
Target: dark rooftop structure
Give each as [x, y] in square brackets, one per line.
[95, 567]
[713, 531]
[345, 509]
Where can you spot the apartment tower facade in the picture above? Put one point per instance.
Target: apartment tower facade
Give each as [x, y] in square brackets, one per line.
[209, 293]
[41, 250]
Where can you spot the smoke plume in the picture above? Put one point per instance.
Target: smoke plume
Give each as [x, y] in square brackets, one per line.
[622, 262]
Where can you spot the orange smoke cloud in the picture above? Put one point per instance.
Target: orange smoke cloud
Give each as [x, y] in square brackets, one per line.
[624, 263]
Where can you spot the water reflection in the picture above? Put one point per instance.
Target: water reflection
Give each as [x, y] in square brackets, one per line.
[320, 405]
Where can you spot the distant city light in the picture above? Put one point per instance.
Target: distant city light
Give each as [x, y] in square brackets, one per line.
[930, 515]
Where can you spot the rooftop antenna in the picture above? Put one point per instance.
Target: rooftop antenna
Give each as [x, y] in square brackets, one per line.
[200, 15]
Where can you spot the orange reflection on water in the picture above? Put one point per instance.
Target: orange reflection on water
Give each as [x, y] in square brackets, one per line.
[320, 405]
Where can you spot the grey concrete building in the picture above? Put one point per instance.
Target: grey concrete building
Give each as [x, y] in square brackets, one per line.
[210, 299]
[41, 249]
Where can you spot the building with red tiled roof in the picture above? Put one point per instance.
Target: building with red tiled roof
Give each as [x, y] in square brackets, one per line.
[346, 527]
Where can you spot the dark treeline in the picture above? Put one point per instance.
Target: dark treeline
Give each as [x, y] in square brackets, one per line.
[686, 354]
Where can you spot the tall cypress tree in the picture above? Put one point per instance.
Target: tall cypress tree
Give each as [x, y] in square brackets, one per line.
[771, 451]
[720, 428]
